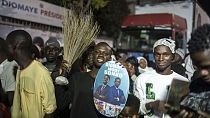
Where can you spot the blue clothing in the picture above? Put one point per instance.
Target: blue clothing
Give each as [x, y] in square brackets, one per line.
[116, 96]
[102, 92]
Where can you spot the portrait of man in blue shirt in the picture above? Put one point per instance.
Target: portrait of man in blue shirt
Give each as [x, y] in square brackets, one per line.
[116, 95]
[102, 91]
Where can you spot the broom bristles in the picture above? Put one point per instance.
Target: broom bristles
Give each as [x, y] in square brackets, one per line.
[79, 31]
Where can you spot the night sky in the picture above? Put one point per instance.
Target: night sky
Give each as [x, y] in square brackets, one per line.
[205, 5]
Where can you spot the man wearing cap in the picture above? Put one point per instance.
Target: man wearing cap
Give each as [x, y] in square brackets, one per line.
[54, 65]
[152, 86]
[52, 51]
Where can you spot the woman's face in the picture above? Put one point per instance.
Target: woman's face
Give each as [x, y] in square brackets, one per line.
[130, 68]
[142, 63]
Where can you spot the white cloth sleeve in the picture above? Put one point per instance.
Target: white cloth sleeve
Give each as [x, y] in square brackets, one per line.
[139, 93]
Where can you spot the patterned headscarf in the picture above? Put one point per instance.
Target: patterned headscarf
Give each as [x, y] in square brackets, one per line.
[166, 42]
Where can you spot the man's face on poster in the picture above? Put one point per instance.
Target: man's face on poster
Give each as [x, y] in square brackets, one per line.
[117, 82]
[106, 79]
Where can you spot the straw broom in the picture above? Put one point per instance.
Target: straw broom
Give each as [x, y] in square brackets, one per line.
[79, 31]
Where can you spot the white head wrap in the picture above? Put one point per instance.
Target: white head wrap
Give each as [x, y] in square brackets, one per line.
[166, 42]
[142, 70]
[180, 52]
[139, 58]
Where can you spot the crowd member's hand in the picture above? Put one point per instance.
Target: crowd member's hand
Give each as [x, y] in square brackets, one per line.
[156, 105]
[63, 71]
[184, 114]
[64, 68]
[204, 114]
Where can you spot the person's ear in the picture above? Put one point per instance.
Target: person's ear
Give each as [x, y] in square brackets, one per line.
[176, 58]
[173, 57]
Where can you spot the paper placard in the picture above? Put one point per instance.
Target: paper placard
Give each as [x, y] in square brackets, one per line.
[111, 88]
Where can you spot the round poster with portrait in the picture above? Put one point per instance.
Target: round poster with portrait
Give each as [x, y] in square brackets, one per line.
[111, 89]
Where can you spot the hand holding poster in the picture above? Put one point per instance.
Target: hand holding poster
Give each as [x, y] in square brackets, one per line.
[178, 90]
[111, 89]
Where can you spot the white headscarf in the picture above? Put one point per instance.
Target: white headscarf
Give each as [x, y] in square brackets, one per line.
[166, 42]
[141, 70]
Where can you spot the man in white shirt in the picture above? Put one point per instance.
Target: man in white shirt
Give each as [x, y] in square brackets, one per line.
[152, 86]
[7, 74]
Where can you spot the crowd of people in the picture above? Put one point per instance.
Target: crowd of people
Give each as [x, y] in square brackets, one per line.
[35, 83]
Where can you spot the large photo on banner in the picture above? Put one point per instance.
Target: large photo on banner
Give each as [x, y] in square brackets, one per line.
[111, 89]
